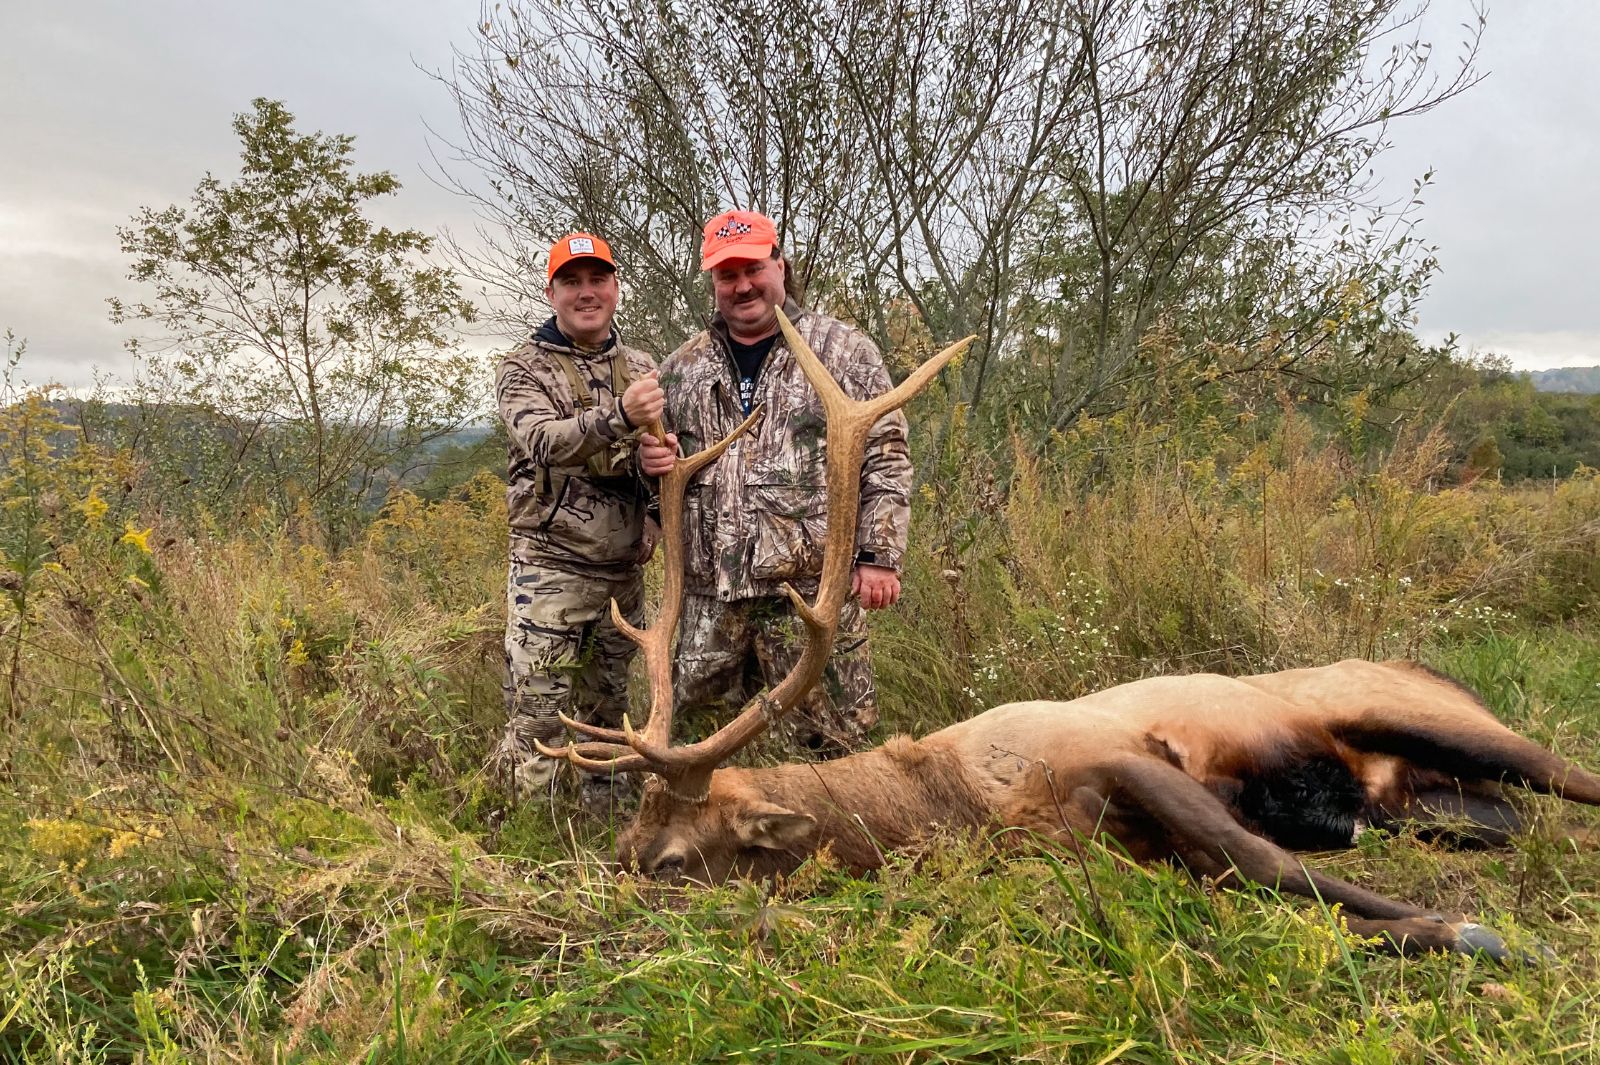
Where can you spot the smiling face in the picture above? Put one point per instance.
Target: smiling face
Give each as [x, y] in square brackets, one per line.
[584, 295]
[746, 291]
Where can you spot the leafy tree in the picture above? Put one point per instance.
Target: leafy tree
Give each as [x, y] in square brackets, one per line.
[1061, 177]
[301, 347]
[1499, 423]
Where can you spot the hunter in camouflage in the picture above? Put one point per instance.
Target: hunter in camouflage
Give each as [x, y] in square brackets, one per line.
[572, 399]
[754, 519]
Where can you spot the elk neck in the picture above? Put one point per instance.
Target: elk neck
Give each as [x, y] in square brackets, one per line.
[869, 804]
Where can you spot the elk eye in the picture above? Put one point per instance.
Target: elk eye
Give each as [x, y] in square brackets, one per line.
[669, 867]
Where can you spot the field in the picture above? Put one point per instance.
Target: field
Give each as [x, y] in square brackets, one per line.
[243, 816]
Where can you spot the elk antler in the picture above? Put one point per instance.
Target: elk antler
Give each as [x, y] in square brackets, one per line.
[687, 769]
[617, 752]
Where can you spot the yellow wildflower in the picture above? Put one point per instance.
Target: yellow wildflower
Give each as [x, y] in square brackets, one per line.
[138, 538]
[127, 840]
[64, 840]
[94, 508]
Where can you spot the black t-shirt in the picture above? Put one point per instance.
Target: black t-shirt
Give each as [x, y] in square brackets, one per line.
[748, 358]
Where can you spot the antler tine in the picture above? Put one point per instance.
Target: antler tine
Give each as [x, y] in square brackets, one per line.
[628, 751]
[598, 757]
[593, 731]
[687, 468]
[849, 423]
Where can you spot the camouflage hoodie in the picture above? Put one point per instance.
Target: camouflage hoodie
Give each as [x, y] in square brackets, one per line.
[756, 517]
[569, 507]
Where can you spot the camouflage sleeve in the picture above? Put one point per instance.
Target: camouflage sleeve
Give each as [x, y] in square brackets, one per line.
[680, 403]
[540, 426]
[885, 521]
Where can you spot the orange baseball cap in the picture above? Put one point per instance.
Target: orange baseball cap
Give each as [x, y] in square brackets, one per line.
[737, 235]
[578, 246]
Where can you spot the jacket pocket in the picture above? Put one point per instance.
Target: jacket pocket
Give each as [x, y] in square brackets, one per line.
[534, 511]
[699, 533]
[788, 525]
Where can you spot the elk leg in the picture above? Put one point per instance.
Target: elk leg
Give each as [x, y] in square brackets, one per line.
[1483, 752]
[1459, 817]
[1203, 832]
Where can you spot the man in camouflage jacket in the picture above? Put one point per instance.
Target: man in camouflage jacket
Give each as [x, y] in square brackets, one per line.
[755, 518]
[572, 399]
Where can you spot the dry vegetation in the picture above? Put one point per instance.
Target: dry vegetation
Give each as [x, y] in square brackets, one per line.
[243, 817]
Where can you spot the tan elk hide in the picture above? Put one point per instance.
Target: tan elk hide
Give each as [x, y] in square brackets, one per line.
[1226, 775]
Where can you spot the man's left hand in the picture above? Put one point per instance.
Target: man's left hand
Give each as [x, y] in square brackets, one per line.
[876, 586]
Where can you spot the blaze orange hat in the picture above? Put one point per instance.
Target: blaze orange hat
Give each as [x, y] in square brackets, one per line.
[737, 235]
[575, 246]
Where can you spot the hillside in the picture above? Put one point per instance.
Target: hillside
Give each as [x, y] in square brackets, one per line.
[1581, 379]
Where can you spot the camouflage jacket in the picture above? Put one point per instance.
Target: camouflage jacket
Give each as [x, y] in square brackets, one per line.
[755, 518]
[575, 496]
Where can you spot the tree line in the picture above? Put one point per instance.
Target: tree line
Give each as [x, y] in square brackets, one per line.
[1162, 209]
[1059, 177]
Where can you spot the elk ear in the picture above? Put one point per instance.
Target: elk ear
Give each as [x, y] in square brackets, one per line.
[765, 824]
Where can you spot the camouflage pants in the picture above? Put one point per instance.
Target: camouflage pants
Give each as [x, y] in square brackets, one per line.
[727, 652]
[563, 655]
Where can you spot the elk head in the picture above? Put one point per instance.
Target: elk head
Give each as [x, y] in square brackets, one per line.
[692, 822]
[733, 833]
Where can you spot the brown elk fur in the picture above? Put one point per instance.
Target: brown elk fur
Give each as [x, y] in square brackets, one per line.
[1204, 769]
[1224, 774]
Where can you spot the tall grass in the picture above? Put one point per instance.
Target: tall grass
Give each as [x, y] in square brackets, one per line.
[1125, 550]
[242, 816]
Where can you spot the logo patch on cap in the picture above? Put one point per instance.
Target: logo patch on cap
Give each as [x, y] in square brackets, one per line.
[580, 246]
[733, 229]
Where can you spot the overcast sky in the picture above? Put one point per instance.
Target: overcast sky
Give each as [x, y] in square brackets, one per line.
[108, 106]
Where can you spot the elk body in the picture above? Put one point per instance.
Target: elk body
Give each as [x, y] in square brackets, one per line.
[1226, 775]
[1216, 772]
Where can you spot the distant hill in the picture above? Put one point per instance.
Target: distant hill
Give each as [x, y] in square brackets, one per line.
[437, 465]
[1583, 379]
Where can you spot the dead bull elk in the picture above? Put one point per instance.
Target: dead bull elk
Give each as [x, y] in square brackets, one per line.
[1223, 774]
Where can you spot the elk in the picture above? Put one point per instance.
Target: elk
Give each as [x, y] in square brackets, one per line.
[1225, 775]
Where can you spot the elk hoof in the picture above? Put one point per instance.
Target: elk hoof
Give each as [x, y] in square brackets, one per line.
[1477, 939]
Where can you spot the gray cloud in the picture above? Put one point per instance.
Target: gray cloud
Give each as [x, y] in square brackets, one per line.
[108, 106]
[1516, 160]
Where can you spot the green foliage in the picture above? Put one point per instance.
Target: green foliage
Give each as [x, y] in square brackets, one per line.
[244, 815]
[1499, 424]
[300, 348]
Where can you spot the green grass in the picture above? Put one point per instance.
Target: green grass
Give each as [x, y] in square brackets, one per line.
[341, 925]
[242, 819]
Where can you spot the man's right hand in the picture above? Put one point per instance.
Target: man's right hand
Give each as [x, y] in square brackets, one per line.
[643, 401]
[655, 458]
